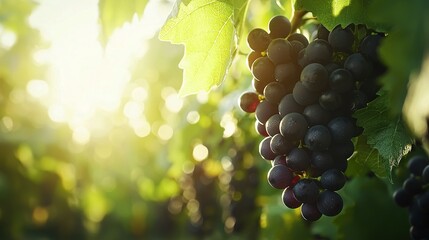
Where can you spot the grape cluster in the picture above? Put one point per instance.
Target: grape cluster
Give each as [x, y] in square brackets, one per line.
[414, 194]
[303, 98]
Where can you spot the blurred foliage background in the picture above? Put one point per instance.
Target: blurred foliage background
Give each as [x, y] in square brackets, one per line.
[108, 150]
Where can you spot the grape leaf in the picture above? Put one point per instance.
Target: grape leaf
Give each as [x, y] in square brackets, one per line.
[402, 50]
[208, 29]
[385, 133]
[367, 159]
[333, 12]
[114, 14]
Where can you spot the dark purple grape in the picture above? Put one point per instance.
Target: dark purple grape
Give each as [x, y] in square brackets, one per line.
[331, 67]
[281, 145]
[274, 92]
[289, 105]
[316, 115]
[321, 161]
[279, 176]
[342, 129]
[265, 149]
[298, 37]
[315, 77]
[293, 126]
[331, 100]
[318, 138]
[329, 203]
[272, 125]
[264, 111]
[248, 101]
[259, 86]
[369, 47]
[289, 199]
[402, 198]
[263, 69]
[287, 74]
[260, 129]
[298, 160]
[342, 150]
[341, 39]
[319, 51]
[258, 39]
[333, 180]
[251, 57]
[280, 51]
[280, 159]
[358, 66]
[279, 27]
[341, 81]
[303, 95]
[297, 47]
[310, 212]
[417, 163]
[423, 202]
[413, 185]
[306, 190]
[425, 174]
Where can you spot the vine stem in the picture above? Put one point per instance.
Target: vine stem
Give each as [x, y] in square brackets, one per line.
[297, 19]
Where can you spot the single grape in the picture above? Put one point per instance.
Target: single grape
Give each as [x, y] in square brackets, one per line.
[298, 159]
[289, 199]
[306, 190]
[258, 39]
[279, 51]
[423, 202]
[314, 77]
[340, 164]
[333, 180]
[302, 59]
[289, 105]
[281, 145]
[331, 67]
[279, 27]
[402, 198]
[298, 37]
[297, 46]
[319, 51]
[369, 47]
[263, 69]
[413, 185]
[417, 216]
[316, 115]
[331, 100]
[265, 149]
[272, 125]
[287, 74]
[264, 111]
[279, 176]
[417, 163]
[274, 92]
[260, 129]
[419, 233]
[280, 159]
[259, 86]
[329, 203]
[318, 138]
[248, 101]
[341, 39]
[251, 57]
[358, 66]
[310, 212]
[293, 126]
[341, 81]
[303, 95]
[321, 161]
[342, 129]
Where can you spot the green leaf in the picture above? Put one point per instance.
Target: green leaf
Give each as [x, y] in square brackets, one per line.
[385, 133]
[114, 14]
[208, 29]
[403, 48]
[367, 159]
[333, 12]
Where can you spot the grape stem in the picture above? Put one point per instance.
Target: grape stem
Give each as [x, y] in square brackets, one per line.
[297, 19]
